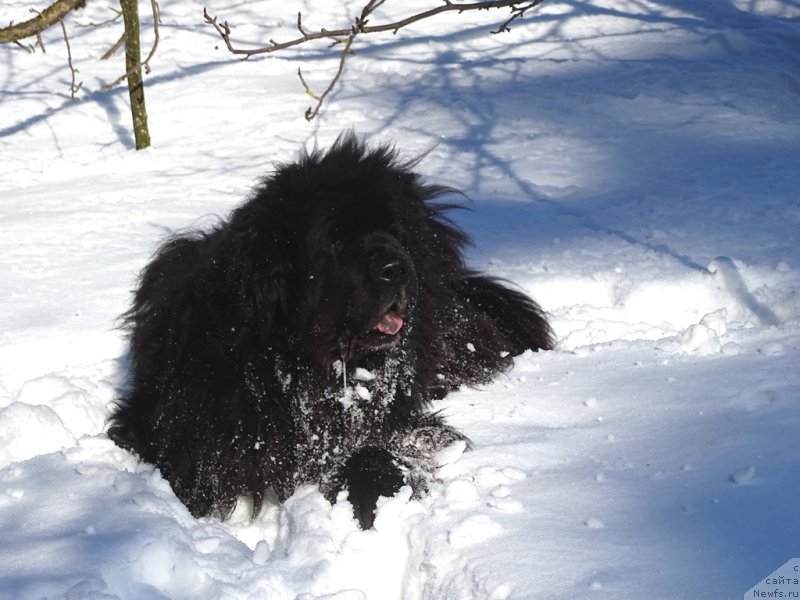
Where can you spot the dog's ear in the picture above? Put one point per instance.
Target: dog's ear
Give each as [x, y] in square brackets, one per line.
[445, 241]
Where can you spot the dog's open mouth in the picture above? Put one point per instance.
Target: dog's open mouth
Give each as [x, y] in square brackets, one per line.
[390, 324]
[385, 333]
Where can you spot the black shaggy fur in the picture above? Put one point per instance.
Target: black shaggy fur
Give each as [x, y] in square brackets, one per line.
[301, 340]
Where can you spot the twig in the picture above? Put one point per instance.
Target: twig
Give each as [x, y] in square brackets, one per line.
[27, 47]
[117, 16]
[517, 12]
[73, 89]
[113, 50]
[358, 26]
[39, 39]
[312, 112]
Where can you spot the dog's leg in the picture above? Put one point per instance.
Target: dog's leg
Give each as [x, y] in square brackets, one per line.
[367, 475]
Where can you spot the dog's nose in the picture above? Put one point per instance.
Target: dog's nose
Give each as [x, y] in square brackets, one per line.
[387, 264]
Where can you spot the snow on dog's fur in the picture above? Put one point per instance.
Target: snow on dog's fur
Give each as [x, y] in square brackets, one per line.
[302, 340]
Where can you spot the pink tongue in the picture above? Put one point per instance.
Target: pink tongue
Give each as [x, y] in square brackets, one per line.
[390, 324]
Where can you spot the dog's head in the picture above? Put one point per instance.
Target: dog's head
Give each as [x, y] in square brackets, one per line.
[354, 241]
[362, 278]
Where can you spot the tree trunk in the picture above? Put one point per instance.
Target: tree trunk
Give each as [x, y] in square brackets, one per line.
[133, 67]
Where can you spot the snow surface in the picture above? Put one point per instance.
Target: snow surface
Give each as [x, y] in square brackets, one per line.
[633, 164]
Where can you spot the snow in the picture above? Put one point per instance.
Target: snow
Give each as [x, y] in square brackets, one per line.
[633, 165]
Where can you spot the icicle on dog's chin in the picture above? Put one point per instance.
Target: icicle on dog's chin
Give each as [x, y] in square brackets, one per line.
[345, 352]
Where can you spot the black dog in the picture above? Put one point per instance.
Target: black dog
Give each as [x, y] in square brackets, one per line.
[302, 340]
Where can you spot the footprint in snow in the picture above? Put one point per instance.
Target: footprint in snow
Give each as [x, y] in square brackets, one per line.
[743, 476]
[594, 523]
[473, 530]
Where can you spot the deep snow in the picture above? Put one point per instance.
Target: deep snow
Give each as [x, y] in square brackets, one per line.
[634, 165]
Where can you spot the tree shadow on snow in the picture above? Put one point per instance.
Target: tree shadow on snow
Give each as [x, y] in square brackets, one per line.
[637, 135]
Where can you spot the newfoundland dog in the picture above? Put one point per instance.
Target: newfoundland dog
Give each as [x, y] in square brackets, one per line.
[302, 340]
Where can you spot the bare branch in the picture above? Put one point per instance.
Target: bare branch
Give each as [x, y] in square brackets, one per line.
[360, 25]
[73, 89]
[44, 20]
[224, 30]
[156, 21]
